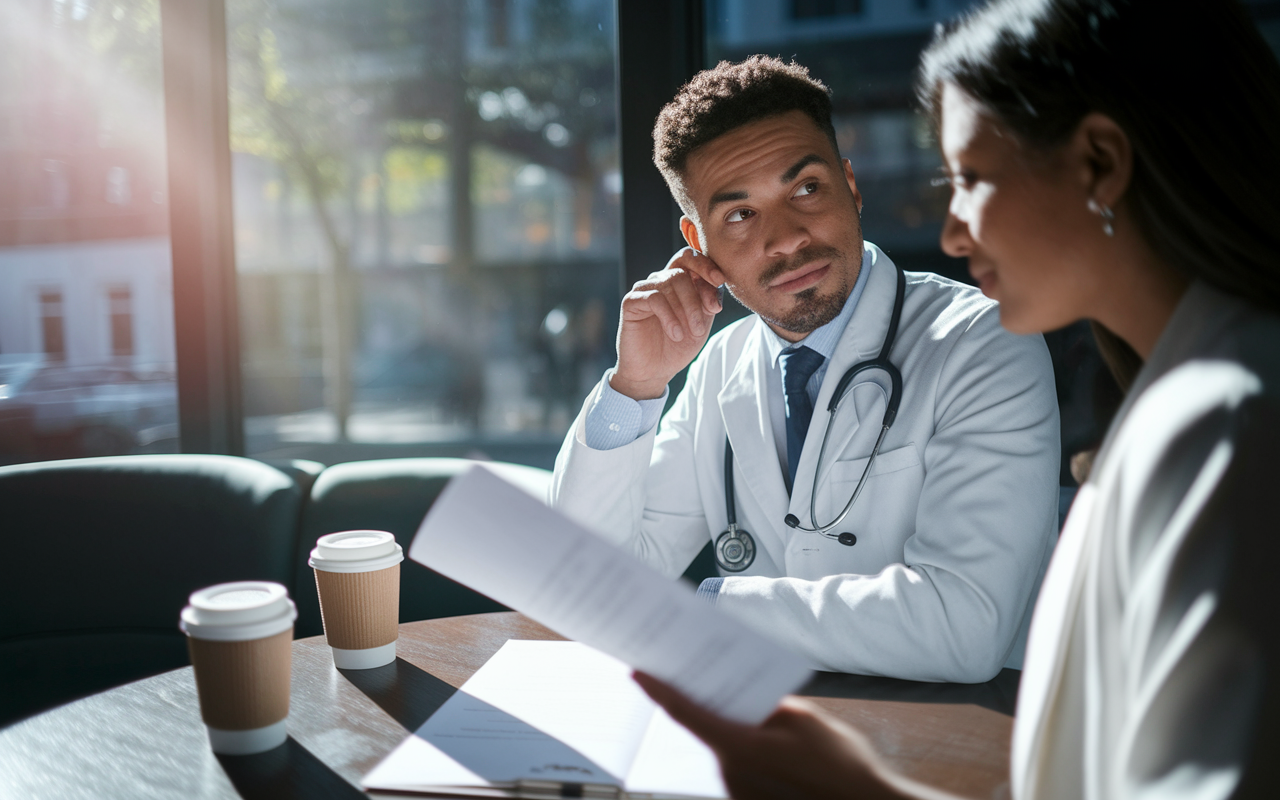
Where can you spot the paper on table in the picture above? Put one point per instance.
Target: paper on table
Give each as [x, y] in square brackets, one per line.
[672, 762]
[485, 533]
[551, 712]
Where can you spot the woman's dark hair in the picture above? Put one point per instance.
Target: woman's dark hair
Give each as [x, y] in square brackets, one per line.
[1194, 87]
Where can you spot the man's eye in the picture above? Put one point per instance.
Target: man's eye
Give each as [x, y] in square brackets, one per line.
[739, 214]
[808, 188]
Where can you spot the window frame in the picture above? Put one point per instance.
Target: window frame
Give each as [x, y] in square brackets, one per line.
[198, 139]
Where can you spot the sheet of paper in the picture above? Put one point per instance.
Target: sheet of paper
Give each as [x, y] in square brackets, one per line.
[672, 762]
[494, 538]
[574, 710]
[549, 711]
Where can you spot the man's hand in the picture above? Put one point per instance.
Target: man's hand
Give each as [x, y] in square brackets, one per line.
[798, 752]
[665, 320]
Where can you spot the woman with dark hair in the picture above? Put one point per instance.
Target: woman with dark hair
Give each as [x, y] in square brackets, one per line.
[1117, 161]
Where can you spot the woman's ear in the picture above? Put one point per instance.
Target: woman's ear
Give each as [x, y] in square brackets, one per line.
[1107, 158]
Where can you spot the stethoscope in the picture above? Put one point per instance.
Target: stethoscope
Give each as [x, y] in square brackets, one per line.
[735, 548]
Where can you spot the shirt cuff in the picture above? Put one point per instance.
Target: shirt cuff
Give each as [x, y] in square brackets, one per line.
[616, 420]
[709, 590]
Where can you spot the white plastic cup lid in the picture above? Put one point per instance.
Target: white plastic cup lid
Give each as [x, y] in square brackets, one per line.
[241, 610]
[356, 551]
[355, 545]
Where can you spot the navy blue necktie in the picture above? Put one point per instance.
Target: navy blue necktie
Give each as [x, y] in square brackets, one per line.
[798, 367]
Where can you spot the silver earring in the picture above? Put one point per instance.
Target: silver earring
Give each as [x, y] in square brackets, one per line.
[1106, 213]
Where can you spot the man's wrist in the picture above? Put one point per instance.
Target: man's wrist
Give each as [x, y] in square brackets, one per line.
[636, 390]
[709, 589]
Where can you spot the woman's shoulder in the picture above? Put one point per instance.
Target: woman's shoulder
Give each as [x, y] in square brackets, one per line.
[1225, 329]
[1199, 399]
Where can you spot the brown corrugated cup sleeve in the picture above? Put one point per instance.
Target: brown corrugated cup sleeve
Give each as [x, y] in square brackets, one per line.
[360, 609]
[243, 685]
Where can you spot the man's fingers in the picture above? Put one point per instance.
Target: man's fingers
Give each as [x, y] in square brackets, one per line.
[696, 264]
[641, 303]
[710, 296]
[683, 296]
[683, 301]
[706, 725]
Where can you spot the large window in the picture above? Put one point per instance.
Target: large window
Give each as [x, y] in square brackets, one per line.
[86, 305]
[425, 198]
[426, 206]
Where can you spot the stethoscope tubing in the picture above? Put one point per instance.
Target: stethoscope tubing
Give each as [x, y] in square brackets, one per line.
[881, 362]
[825, 530]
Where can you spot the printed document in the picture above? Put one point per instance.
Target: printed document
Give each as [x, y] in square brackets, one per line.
[551, 719]
[488, 535]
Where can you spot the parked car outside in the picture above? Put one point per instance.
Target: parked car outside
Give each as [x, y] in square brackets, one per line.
[55, 410]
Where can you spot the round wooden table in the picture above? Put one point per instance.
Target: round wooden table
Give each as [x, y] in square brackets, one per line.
[146, 740]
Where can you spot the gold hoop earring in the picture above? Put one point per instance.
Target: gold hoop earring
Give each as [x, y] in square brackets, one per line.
[1103, 210]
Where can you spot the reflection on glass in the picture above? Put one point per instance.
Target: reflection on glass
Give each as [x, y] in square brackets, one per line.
[419, 187]
[86, 305]
[867, 54]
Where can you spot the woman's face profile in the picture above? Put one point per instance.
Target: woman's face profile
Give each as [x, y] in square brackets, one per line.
[1021, 217]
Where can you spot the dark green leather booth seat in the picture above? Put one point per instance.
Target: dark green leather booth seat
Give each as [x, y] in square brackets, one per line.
[100, 555]
[393, 495]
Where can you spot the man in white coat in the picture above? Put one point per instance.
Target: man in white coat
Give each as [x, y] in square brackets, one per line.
[932, 573]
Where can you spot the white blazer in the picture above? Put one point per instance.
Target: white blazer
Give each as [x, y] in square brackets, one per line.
[1154, 657]
[955, 525]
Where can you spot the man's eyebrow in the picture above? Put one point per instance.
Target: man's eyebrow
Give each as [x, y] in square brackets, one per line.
[790, 175]
[787, 177]
[725, 197]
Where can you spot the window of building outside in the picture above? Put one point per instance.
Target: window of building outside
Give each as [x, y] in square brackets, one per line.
[120, 320]
[426, 200]
[53, 343]
[82, 207]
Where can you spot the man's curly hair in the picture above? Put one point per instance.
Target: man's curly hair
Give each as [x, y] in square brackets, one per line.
[728, 96]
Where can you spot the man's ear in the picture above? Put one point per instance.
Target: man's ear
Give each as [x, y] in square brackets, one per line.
[1105, 158]
[705, 267]
[853, 183]
[690, 230]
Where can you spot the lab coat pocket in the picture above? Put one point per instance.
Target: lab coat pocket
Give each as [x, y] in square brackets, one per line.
[885, 515]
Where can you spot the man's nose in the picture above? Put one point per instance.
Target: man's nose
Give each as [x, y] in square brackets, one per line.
[788, 234]
[956, 241]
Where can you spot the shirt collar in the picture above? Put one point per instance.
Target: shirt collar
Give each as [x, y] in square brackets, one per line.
[824, 339]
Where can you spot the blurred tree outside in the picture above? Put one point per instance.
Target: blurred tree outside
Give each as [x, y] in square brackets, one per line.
[390, 109]
[309, 135]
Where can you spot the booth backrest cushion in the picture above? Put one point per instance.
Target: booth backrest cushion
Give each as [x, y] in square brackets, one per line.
[393, 495]
[102, 553]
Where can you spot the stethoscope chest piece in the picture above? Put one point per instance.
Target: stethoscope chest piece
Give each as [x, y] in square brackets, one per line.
[735, 549]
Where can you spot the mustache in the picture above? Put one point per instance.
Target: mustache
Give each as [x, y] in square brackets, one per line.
[797, 260]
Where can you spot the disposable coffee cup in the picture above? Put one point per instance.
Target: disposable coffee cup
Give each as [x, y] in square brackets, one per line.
[240, 636]
[358, 578]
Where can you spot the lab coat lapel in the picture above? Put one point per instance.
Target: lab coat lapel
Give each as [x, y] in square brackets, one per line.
[744, 408]
[861, 340]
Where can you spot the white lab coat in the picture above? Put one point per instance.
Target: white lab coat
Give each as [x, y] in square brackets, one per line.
[955, 525]
[1153, 661]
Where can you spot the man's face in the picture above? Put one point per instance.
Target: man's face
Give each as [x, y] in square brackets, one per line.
[779, 217]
